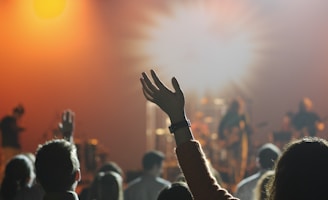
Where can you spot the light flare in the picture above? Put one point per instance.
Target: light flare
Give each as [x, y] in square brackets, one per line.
[205, 44]
[47, 9]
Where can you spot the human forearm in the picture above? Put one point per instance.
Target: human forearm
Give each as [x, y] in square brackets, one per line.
[196, 170]
[191, 158]
[183, 133]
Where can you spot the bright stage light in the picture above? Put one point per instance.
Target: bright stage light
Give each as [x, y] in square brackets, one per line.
[47, 9]
[205, 44]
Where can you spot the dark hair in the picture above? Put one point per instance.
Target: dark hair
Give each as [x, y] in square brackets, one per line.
[177, 191]
[111, 166]
[17, 173]
[235, 105]
[19, 109]
[267, 155]
[56, 165]
[152, 158]
[107, 186]
[301, 172]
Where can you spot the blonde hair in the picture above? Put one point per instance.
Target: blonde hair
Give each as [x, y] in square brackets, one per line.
[261, 188]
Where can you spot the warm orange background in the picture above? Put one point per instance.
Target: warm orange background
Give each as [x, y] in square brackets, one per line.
[82, 60]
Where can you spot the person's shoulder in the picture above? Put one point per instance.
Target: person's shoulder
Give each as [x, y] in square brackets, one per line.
[249, 180]
[133, 183]
[29, 193]
[134, 187]
[163, 181]
[37, 188]
[7, 118]
[314, 114]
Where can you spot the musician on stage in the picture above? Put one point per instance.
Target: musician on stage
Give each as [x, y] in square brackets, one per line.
[10, 131]
[234, 130]
[306, 122]
[283, 136]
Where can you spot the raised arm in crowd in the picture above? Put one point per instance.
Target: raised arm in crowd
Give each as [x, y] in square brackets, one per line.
[189, 152]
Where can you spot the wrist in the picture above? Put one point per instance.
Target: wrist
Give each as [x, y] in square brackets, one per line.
[179, 125]
[67, 134]
[178, 118]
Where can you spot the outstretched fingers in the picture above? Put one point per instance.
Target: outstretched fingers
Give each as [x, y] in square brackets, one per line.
[145, 87]
[146, 91]
[158, 82]
[64, 116]
[148, 84]
[68, 116]
[67, 123]
[71, 116]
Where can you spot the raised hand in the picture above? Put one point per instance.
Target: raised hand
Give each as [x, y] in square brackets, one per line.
[66, 126]
[171, 102]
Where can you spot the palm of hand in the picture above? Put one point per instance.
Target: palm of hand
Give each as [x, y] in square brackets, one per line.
[67, 124]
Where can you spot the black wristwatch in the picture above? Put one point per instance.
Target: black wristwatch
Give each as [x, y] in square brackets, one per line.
[178, 125]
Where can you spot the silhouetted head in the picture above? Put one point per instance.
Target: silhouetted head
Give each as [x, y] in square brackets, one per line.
[111, 166]
[18, 174]
[305, 105]
[152, 162]
[234, 106]
[267, 155]
[18, 111]
[177, 191]
[301, 172]
[107, 186]
[57, 166]
[237, 106]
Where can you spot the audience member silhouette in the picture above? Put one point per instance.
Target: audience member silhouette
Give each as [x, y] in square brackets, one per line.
[57, 169]
[110, 171]
[18, 180]
[35, 185]
[149, 184]
[301, 171]
[111, 166]
[107, 186]
[177, 191]
[190, 155]
[261, 191]
[57, 165]
[266, 157]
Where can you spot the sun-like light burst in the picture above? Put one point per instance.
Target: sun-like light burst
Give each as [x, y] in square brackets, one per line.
[47, 9]
[206, 44]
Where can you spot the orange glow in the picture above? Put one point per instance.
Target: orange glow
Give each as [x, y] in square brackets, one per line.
[46, 9]
[44, 60]
[37, 40]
